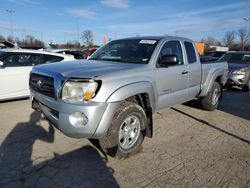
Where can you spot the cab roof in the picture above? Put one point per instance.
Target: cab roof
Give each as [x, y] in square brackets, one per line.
[157, 38]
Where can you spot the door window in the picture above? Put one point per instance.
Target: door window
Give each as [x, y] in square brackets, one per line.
[52, 58]
[191, 55]
[22, 59]
[172, 48]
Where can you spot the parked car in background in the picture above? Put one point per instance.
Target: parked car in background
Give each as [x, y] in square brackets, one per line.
[15, 66]
[204, 58]
[239, 69]
[76, 53]
[89, 52]
[213, 56]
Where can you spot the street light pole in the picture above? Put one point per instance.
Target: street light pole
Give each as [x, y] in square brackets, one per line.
[11, 12]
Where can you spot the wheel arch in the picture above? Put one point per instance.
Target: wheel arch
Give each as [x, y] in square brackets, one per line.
[217, 77]
[141, 93]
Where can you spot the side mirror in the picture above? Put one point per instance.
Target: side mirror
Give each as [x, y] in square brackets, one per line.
[1, 64]
[168, 60]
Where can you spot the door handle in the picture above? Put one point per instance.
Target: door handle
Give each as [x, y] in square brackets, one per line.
[184, 72]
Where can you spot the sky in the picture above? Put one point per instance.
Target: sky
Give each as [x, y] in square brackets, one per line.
[59, 21]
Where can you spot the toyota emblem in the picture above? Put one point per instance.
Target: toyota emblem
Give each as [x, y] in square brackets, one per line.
[39, 83]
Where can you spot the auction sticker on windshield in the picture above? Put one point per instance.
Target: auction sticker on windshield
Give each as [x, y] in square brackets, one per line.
[147, 42]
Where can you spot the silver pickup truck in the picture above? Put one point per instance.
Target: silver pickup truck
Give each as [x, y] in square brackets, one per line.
[113, 95]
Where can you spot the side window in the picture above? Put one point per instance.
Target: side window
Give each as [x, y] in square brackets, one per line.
[22, 59]
[10, 60]
[52, 58]
[172, 48]
[191, 55]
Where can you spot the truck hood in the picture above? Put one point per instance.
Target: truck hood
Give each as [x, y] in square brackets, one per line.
[85, 68]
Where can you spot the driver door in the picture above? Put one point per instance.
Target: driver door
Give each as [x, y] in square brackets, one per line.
[171, 81]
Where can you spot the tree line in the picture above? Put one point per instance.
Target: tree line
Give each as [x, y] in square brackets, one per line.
[27, 41]
[238, 40]
[30, 41]
[234, 40]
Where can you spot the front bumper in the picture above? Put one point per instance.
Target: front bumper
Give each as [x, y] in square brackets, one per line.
[238, 80]
[58, 112]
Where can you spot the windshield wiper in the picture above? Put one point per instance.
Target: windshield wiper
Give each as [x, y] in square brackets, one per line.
[118, 60]
[94, 59]
[114, 60]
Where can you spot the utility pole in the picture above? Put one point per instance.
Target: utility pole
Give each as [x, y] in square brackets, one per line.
[11, 12]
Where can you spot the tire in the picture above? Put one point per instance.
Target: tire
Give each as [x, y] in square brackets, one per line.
[228, 87]
[126, 132]
[245, 88]
[211, 101]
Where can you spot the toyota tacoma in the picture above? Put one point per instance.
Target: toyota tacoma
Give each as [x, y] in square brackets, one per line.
[112, 96]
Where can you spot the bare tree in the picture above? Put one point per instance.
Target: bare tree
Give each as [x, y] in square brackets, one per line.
[2, 38]
[244, 36]
[87, 37]
[229, 38]
[211, 41]
[30, 39]
[10, 39]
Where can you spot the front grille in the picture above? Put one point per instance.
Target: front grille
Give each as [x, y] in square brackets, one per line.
[42, 84]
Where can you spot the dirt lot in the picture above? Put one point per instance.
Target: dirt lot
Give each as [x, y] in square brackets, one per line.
[190, 148]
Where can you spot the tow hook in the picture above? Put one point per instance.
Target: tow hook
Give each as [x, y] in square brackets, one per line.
[36, 106]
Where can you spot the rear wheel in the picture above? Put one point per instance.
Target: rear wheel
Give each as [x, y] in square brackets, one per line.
[126, 132]
[211, 101]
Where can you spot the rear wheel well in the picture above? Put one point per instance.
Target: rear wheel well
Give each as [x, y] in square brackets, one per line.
[143, 100]
[219, 80]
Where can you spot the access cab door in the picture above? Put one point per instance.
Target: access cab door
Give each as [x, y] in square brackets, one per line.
[14, 74]
[194, 70]
[171, 81]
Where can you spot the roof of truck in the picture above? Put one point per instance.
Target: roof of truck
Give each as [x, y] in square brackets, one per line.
[156, 38]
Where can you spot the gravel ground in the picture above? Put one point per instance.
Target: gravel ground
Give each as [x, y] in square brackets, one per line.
[190, 148]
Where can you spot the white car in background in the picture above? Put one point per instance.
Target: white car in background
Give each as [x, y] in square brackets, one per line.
[76, 53]
[15, 66]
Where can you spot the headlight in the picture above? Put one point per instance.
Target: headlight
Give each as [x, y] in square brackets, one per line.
[78, 91]
[240, 71]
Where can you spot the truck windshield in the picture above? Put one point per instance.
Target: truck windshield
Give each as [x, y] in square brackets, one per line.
[129, 50]
[238, 58]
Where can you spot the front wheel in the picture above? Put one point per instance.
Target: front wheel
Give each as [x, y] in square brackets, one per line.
[211, 101]
[126, 132]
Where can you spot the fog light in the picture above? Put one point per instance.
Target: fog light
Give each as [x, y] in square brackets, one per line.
[78, 119]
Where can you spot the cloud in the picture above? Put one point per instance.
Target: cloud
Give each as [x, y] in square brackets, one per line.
[24, 2]
[194, 27]
[217, 9]
[4, 25]
[195, 23]
[82, 13]
[116, 3]
[7, 26]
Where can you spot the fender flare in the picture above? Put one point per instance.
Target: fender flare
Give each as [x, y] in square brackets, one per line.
[209, 83]
[133, 89]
